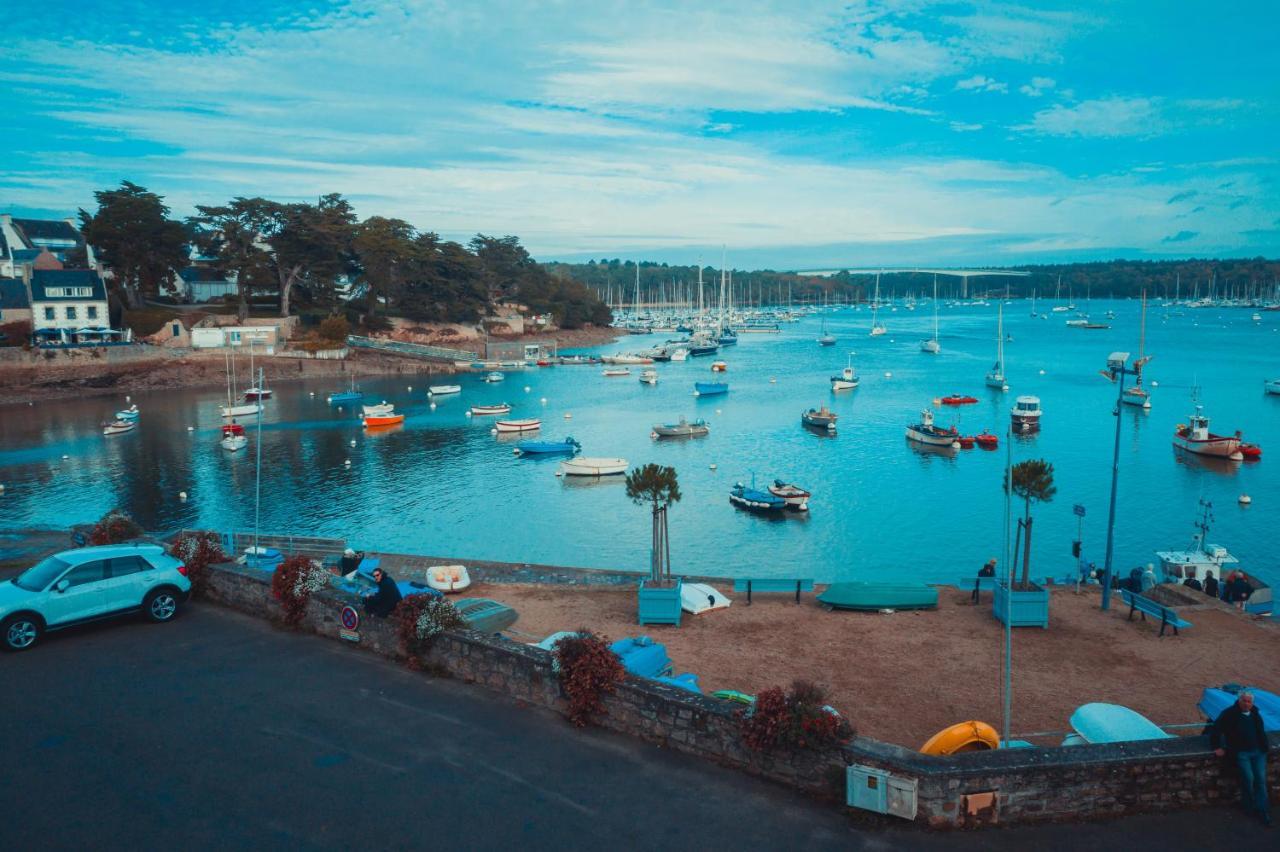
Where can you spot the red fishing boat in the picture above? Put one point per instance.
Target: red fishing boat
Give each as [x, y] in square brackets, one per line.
[957, 399]
[1196, 438]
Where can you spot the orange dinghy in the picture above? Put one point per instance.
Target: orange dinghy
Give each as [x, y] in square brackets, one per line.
[966, 736]
[374, 421]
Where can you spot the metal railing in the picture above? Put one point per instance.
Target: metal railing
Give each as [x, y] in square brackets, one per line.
[413, 350]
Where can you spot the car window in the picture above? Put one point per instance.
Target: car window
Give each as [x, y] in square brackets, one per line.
[88, 572]
[124, 565]
[38, 577]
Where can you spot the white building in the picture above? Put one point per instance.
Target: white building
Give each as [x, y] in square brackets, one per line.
[22, 240]
[68, 305]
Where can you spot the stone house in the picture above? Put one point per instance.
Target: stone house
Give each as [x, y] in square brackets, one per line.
[69, 305]
[15, 306]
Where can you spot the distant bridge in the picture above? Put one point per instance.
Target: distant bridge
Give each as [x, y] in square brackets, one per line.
[963, 274]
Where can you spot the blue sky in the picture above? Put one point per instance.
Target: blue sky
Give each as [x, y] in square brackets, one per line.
[799, 135]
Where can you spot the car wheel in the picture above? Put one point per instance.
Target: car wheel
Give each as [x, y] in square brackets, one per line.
[19, 632]
[161, 605]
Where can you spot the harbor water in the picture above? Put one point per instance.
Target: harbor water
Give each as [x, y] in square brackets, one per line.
[442, 484]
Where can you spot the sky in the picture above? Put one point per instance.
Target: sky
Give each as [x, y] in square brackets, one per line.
[790, 135]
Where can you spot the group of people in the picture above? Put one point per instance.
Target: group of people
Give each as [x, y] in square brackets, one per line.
[382, 601]
[1235, 590]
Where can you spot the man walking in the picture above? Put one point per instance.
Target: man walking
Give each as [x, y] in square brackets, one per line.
[1238, 731]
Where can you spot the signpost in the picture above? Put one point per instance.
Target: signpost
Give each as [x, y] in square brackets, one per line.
[350, 620]
[1078, 510]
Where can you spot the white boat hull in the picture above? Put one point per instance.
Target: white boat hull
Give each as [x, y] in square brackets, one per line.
[518, 425]
[843, 384]
[593, 467]
[1215, 447]
[930, 347]
[241, 410]
[232, 443]
[444, 390]
[931, 439]
[489, 410]
[995, 380]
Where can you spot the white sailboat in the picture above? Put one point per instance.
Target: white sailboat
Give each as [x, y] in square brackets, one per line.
[931, 346]
[232, 409]
[877, 328]
[256, 392]
[995, 378]
[1138, 395]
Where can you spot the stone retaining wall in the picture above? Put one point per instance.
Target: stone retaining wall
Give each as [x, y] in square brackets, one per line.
[1015, 785]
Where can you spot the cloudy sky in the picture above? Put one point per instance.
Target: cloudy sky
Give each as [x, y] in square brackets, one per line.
[799, 135]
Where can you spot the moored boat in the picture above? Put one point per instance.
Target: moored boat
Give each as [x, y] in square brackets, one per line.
[683, 429]
[680, 354]
[1026, 413]
[130, 413]
[443, 390]
[848, 378]
[710, 388]
[616, 371]
[1195, 437]
[958, 399]
[548, 448]
[719, 366]
[233, 437]
[117, 427]
[495, 377]
[591, 466]
[373, 421]
[487, 410]
[754, 500]
[1137, 395]
[531, 424]
[1251, 452]
[378, 410]
[1202, 559]
[986, 440]
[797, 498]
[649, 377]
[1271, 386]
[925, 432]
[820, 418]
[996, 378]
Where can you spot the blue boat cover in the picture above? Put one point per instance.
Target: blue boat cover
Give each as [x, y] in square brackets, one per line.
[643, 657]
[1214, 700]
[408, 587]
[686, 680]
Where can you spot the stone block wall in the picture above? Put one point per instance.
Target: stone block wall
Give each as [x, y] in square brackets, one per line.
[1029, 785]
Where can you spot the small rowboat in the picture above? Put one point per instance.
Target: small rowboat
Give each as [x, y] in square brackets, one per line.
[1250, 451]
[593, 467]
[531, 424]
[495, 377]
[797, 498]
[710, 388]
[616, 371]
[718, 366]
[380, 410]
[485, 410]
[443, 390]
[986, 440]
[118, 426]
[547, 448]
[957, 399]
[448, 578]
[374, 421]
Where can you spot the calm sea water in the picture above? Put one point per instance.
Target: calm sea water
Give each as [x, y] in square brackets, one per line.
[442, 484]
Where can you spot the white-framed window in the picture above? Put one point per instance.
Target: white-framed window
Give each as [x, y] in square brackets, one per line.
[71, 312]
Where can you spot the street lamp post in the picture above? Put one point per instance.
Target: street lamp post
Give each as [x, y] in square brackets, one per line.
[1116, 369]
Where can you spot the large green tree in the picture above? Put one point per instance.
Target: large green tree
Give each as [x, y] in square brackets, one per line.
[387, 252]
[232, 234]
[132, 234]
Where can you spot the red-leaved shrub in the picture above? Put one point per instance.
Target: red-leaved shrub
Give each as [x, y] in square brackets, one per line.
[198, 551]
[292, 584]
[798, 719]
[419, 618]
[114, 527]
[589, 670]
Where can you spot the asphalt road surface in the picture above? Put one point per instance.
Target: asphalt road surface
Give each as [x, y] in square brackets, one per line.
[220, 731]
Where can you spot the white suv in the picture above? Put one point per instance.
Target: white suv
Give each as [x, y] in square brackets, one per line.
[87, 584]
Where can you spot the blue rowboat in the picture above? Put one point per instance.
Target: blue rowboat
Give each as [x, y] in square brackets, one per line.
[710, 388]
[344, 397]
[548, 448]
[1214, 700]
[1112, 723]
[755, 501]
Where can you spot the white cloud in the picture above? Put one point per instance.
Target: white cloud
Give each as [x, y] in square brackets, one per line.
[981, 83]
[1037, 87]
[1105, 117]
[963, 127]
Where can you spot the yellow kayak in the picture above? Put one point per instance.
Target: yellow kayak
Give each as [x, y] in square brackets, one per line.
[965, 736]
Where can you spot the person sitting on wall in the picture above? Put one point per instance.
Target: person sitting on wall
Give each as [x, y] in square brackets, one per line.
[1210, 584]
[987, 570]
[384, 600]
[349, 564]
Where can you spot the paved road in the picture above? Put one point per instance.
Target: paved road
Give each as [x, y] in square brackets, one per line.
[218, 731]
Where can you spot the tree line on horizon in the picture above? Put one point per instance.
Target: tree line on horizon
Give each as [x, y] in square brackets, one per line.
[276, 250]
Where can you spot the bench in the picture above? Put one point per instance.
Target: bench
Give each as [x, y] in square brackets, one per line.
[1145, 606]
[979, 584]
[772, 585]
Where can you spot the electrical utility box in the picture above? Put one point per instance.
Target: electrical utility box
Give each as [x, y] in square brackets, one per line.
[876, 790]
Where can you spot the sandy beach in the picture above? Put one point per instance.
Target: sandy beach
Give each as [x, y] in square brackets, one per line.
[904, 676]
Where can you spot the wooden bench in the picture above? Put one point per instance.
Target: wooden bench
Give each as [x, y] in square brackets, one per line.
[1145, 606]
[772, 585]
[976, 585]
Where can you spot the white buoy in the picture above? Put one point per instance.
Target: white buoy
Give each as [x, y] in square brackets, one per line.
[128, 398]
[191, 428]
[353, 442]
[347, 463]
[313, 393]
[493, 431]
[516, 451]
[1, 488]
[568, 416]
[773, 380]
[1245, 499]
[955, 445]
[1004, 387]
[1042, 372]
[526, 388]
[713, 465]
[65, 457]
[559, 473]
[543, 400]
[653, 435]
[182, 495]
[433, 406]
[410, 388]
[888, 375]
[468, 414]
[1155, 384]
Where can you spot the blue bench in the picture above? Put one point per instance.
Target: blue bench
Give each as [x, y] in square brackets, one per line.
[976, 585]
[771, 584]
[1145, 606]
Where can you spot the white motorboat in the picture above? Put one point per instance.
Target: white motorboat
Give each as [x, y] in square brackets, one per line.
[118, 426]
[1197, 439]
[649, 377]
[1025, 414]
[448, 578]
[848, 378]
[443, 390]
[531, 424]
[593, 467]
[925, 432]
[616, 371]
[680, 354]
[495, 377]
[486, 410]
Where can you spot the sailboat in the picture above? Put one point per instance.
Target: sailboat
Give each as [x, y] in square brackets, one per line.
[1138, 395]
[232, 409]
[877, 328]
[995, 379]
[931, 346]
[848, 378]
[827, 338]
[1033, 302]
[255, 392]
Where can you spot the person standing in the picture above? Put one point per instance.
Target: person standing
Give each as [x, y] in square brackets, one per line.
[1238, 732]
[1210, 584]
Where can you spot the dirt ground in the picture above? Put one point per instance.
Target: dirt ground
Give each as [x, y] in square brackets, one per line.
[904, 676]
